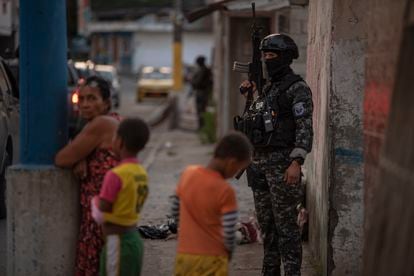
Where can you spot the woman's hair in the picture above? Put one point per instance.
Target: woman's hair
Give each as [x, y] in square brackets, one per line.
[234, 145]
[103, 86]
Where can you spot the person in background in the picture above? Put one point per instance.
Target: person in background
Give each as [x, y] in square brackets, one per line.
[206, 209]
[122, 196]
[90, 156]
[201, 83]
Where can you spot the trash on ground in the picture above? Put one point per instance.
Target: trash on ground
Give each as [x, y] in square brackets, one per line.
[161, 231]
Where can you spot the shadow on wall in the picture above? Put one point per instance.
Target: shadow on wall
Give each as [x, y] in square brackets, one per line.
[389, 244]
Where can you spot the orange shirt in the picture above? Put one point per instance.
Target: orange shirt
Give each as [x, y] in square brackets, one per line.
[204, 197]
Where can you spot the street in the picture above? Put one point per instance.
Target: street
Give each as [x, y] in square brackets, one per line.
[151, 110]
[321, 88]
[165, 156]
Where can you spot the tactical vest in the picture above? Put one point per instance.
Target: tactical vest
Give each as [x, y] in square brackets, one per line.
[270, 122]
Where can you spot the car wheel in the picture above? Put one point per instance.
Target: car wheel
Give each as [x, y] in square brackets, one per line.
[3, 210]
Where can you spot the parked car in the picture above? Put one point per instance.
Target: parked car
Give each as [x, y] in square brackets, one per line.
[85, 69]
[109, 73]
[154, 82]
[9, 126]
[75, 123]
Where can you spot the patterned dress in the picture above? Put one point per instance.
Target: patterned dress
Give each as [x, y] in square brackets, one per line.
[90, 240]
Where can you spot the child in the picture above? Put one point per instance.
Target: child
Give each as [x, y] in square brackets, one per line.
[205, 206]
[117, 207]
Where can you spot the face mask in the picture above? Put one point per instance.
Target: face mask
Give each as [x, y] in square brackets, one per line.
[276, 65]
[273, 66]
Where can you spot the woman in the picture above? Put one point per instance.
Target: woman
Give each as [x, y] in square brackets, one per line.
[90, 156]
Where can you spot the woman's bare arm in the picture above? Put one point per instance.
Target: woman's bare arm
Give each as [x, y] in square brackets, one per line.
[84, 143]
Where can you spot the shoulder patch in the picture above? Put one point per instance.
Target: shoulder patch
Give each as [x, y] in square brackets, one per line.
[299, 109]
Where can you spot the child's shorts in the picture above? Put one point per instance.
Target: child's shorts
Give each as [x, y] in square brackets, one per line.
[122, 255]
[200, 265]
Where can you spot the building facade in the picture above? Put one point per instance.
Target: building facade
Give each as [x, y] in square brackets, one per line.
[232, 42]
[146, 42]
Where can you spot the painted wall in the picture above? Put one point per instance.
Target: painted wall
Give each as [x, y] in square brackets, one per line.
[389, 245]
[155, 48]
[113, 48]
[335, 190]
[382, 54]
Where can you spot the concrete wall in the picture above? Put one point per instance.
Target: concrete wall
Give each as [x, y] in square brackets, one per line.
[221, 72]
[335, 188]
[298, 30]
[42, 221]
[155, 49]
[385, 25]
[318, 78]
[389, 246]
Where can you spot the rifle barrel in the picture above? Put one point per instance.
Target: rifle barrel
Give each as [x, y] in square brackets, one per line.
[241, 67]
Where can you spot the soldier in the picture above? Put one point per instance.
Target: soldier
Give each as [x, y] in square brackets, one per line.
[201, 83]
[279, 124]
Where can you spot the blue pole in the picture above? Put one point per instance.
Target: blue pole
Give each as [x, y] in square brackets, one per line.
[43, 80]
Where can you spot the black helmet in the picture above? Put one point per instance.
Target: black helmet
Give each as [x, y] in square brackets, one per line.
[279, 42]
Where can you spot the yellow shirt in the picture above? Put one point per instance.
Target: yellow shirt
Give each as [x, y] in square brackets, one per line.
[125, 186]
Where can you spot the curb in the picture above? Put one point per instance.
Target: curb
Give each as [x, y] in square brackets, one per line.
[161, 112]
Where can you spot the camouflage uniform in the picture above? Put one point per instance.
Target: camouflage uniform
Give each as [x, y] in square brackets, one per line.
[275, 200]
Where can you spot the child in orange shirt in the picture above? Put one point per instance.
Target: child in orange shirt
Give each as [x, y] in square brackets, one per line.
[117, 207]
[206, 209]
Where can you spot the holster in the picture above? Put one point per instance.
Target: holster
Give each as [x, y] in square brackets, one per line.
[256, 179]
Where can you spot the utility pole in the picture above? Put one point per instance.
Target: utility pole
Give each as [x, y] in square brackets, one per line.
[42, 200]
[43, 73]
[177, 46]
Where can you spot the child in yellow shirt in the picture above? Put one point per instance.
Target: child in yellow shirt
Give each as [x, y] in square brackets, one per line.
[121, 198]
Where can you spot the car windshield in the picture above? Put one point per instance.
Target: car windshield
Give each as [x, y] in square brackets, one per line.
[83, 72]
[156, 76]
[154, 73]
[107, 75]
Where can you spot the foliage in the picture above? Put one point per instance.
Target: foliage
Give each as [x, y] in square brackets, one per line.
[208, 131]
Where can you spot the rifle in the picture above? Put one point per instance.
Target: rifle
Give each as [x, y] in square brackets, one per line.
[253, 69]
